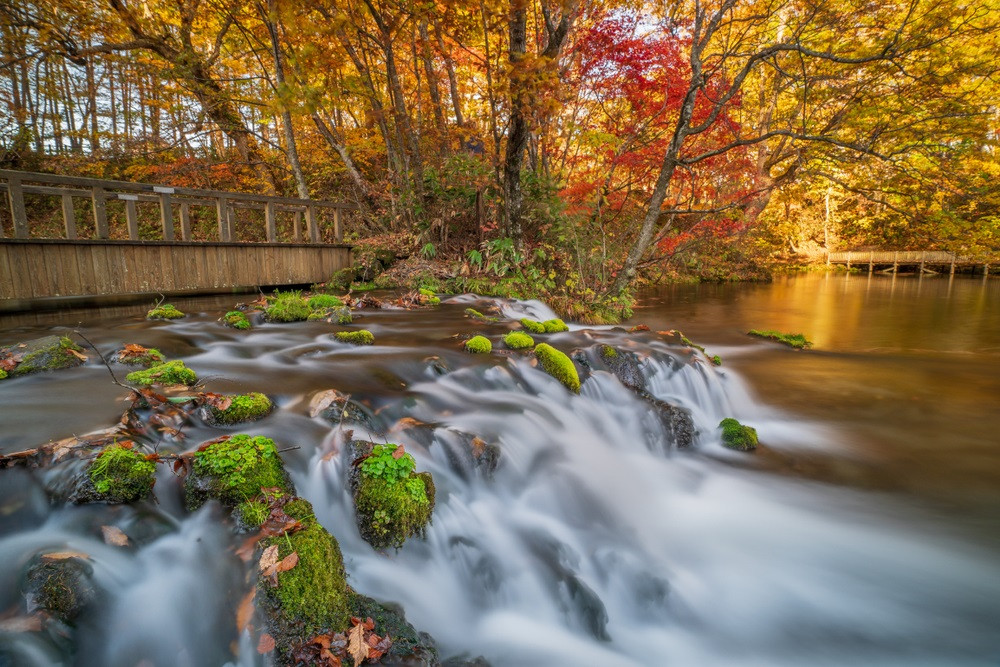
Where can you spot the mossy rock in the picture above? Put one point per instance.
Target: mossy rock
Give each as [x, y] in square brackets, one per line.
[518, 340]
[676, 423]
[533, 326]
[340, 315]
[233, 470]
[476, 315]
[3, 374]
[624, 365]
[172, 372]
[716, 360]
[341, 280]
[797, 340]
[319, 301]
[312, 597]
[392, 502]
[558, 365]
[165, 312]
[41, 354]
[236, 319]
[242, 408]
[150, 357]
[344, 409]
[61, 587]
[119, 475]
[554, 326]
[737, 436]
[287, 307]
[360, 337]
[479, 345]
[409, 647]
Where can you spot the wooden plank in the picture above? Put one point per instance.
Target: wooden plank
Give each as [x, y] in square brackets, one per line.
[312, 223]
[338, 230]
[271, 222]
[100, 212]
[6, 279]
[41, 280]
[132, 220]
[185, 221]
[297, 227]
[234, 236]
[69, 217]
[85, 268]
[15, 195]
[222, 215]
[19, 273]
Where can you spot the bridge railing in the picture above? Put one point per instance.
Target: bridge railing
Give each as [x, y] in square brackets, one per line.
[186, 202]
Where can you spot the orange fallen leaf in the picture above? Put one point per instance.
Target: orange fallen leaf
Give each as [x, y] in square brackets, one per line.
[78, 355]
[114, 536]
[269, 558]
[357, 648]
[288, 562]
[398, 452]
[266, 644]
[245, 611]
[64, 555]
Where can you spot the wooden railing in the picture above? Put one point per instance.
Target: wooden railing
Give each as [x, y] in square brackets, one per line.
[917, 258]
[17, 184]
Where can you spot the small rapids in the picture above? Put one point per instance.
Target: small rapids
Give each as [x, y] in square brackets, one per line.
[595, 540]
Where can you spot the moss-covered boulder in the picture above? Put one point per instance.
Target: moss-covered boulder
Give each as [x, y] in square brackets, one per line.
[233, 469]
[166, 311]
[738, 436]
[796, 340]
[61, 585]
[137, 355]
[312, 597]
[287, 307]
[359, 337]
[172, 372]
[476, 315]
[624, 365]
[409, 647]
[558, 365]
[677, 429]
[340, 315]
[479, 345]
[40, 354]
[392, 502]
[338, 408]
[554, 326]
[518, 340]
[118, 474]
[533, 326]
[236, 319]
[341, 280]
[238, 408]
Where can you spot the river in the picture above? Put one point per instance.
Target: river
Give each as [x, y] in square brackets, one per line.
[865, 530]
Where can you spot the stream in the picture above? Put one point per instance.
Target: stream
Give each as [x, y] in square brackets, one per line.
[865, 530]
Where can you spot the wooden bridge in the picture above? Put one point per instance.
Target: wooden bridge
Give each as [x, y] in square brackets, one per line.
[91, 238]
[925, 261]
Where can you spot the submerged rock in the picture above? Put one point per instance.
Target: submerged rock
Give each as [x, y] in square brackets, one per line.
[137, 355]
[409, 647]
[624, 365]
[738, 436]
[678, 424]
[479, 345]
[559, 366]
[518, 340]
[360, 337]
[237, 408]
[40, 354]
[117, 475]
[337, 408]
[172, 372]
[61, 585]
[233, 470]
[165, 312]
[236, 319]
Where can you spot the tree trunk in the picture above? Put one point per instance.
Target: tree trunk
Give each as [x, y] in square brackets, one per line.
[432, 86]
[517, 135]
[449, 65]
[286, 116]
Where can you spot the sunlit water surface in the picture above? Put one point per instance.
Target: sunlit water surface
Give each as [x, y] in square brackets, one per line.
[865, 530]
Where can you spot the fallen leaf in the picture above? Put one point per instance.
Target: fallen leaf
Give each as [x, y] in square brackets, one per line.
[323, 400]
[398, 452]
[478, 447]
[266, 644]
[288, 562]
[21, 624]
[405, 423]
[78, 355]
[64, 555]
[380, 648]
[269, 558]
[639, 327]
[357, 648]
[245, 611]
[114, 536]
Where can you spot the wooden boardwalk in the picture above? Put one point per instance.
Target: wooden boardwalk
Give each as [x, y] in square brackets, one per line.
[143, 239]
[925, 261]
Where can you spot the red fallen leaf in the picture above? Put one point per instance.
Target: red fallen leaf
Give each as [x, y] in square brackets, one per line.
[209, 443]
[126, 444]
[369, 624]
[217, 401]
[380, 648]
[279, 523]
[266, 644]
[10, 363]
[288, 562]
[182, 465]
[245, 611]
[639, 327]
[398, 452]
[154, 457]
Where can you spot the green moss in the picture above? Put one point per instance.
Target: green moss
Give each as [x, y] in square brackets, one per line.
[42, 354]
[150, 357]
[3, 374]
[427, 292]
[121, 475]
[244, 408]
[364, 286]
[340, 315]
[475, 314]
[341, 280]
[165, 312]
[287, 307]
[62, 587]
[716, 360]
[798, 341]
[559, 366]
[236, 319]
[687, 341]
[533, 326]
[737, 436]
[313, 596]
[518, 340]
[324, 301]
[554, 326]
[172, 372]
[234, 470]
[479, 345]
[360, 337]
[252, 513]
[608, 352]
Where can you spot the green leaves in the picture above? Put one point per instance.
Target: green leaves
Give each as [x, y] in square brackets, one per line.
[389, 462]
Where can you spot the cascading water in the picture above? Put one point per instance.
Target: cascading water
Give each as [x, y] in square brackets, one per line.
[594, 540]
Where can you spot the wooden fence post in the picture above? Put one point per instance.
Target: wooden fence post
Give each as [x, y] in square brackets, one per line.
[97, 196]
[166, 212]
[130, 216]
[871, 262]
[185, 221]
[272, 224]
[297, 227]
[69, 217]
[16, 195]
[222, 213]
[312, 223]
